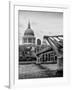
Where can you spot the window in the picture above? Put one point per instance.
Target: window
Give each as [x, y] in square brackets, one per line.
[25, 40]
[29, 40]
[34, 40]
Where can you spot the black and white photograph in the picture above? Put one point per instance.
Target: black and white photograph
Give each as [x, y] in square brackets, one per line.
[40, 44]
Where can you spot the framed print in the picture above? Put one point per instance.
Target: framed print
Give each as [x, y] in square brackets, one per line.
[37, 45]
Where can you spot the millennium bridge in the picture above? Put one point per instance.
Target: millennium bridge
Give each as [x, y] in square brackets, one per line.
[51, 54]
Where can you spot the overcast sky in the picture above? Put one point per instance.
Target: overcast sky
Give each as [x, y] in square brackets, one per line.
[42, 23]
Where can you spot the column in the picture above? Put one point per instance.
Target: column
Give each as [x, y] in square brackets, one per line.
[43, 57]
[27, 40]
[46, 57]
[37, 60]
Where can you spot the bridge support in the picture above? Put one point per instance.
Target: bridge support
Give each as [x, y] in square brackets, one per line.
[59, 63]
[38, 60]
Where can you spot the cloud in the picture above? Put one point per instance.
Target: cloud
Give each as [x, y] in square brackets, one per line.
[42, 23]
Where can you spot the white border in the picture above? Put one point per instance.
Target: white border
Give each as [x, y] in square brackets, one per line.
[45, 82]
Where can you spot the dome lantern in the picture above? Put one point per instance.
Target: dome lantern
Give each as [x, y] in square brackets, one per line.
[29, 24]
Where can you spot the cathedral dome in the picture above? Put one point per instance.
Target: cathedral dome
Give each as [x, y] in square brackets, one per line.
[29, 31]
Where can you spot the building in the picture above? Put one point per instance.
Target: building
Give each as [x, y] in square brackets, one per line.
[29, 37]
[38, 42]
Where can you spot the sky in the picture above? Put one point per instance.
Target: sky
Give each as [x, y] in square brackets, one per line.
[42, 23]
